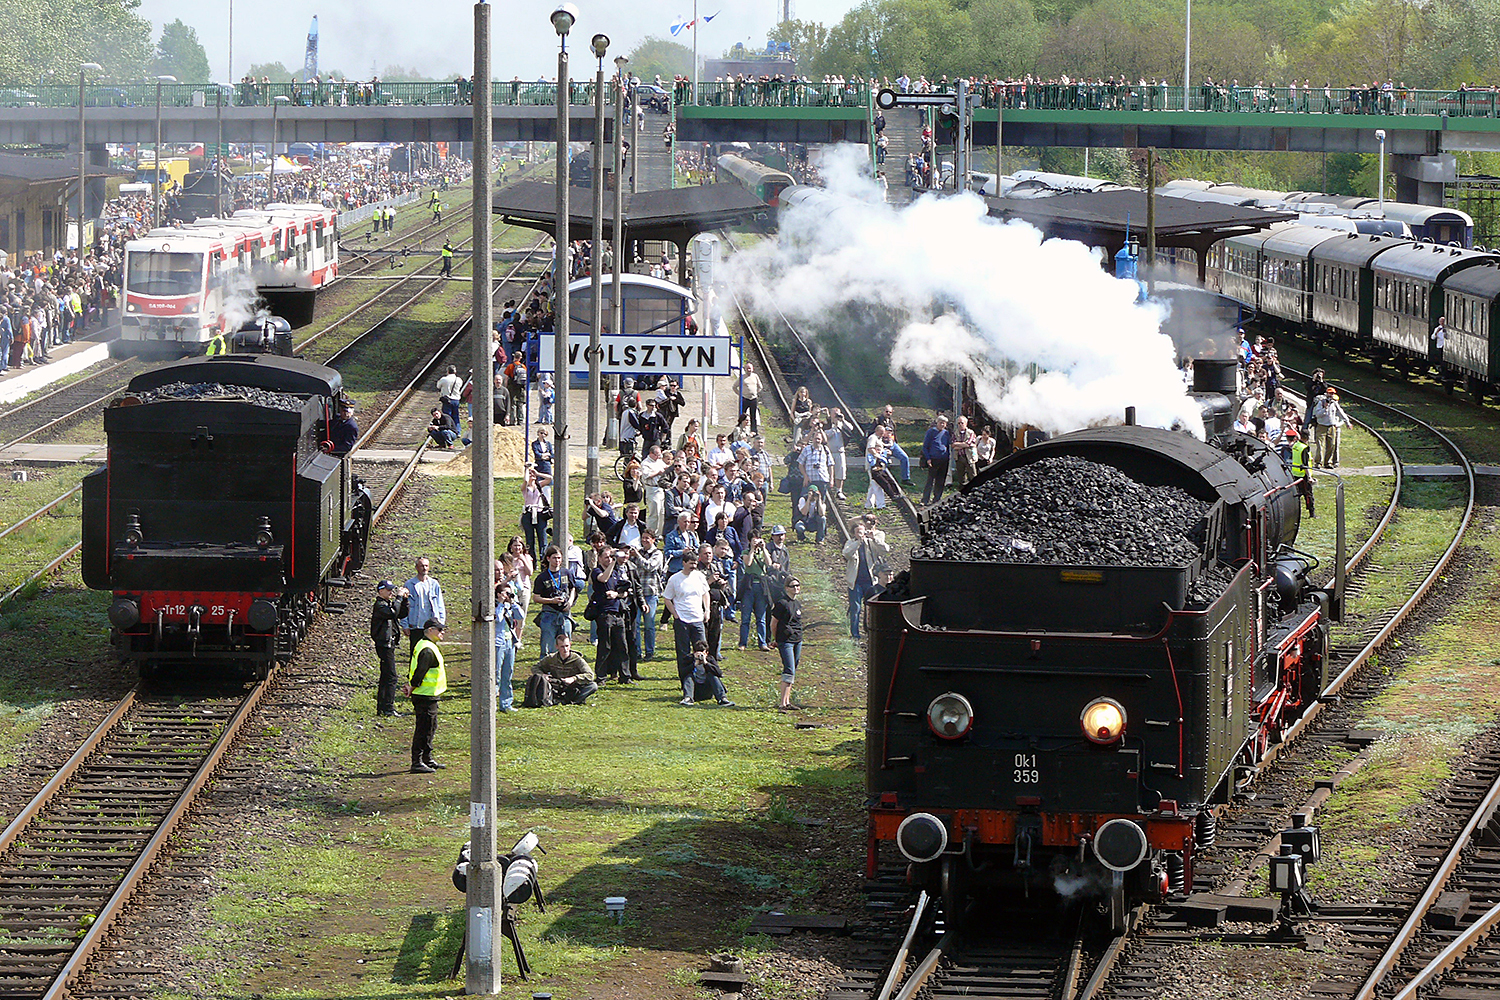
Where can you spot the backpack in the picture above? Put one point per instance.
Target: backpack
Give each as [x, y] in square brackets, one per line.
[541, 692]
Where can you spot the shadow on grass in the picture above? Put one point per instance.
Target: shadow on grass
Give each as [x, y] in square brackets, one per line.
[429, 948]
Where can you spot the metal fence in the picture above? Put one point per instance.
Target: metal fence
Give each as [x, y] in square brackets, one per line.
[1476, 103]
[355, 216]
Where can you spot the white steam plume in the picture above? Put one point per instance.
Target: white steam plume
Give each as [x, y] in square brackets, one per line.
[1006, 299]
[242, 302]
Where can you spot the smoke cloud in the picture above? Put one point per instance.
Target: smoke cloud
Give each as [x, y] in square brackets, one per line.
[242, 302]
[975, 295]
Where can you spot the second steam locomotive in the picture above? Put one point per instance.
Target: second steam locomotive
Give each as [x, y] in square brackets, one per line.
[220, 518]
[1063, 724]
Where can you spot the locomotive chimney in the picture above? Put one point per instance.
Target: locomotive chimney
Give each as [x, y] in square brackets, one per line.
[1216, 375]
[1129, 416]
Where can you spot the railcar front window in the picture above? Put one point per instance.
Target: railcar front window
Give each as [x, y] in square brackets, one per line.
[164, 273]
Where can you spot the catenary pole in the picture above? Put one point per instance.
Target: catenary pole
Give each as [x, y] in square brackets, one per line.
[596, 264]
[617, 230]
[561, 525]
[483, 934]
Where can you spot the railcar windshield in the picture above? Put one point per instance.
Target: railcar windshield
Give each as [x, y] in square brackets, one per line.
[161, 272]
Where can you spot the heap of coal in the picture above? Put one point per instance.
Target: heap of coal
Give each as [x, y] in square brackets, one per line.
[217, 391]
[1068, 511]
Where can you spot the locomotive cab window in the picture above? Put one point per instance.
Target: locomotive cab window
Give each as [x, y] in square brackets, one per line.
[164, 273]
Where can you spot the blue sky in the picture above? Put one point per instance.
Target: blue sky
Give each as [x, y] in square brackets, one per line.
[438, 38]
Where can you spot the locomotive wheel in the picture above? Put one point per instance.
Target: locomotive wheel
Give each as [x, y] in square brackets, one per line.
[955, 896]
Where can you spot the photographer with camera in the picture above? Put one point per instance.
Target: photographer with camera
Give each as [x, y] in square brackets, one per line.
[392, 605]
[609, 601]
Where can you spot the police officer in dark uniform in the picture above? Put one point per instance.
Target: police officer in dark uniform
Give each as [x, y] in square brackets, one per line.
[391, 608]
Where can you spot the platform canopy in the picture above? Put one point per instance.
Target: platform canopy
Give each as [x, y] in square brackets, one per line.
[674, 215]
[1102, 219]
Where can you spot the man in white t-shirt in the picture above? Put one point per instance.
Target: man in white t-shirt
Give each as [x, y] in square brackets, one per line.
[686, 597]
[450, 389]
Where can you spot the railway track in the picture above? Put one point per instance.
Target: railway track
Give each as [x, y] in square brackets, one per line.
[1288, 784]
[53, 412]
[76, 854]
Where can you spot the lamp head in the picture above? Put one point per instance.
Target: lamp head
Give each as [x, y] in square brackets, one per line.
[91, 67]
[282, 99]
[600, 44]
[1380, 134]
[166, 78]
[620, 62]
[564, 15]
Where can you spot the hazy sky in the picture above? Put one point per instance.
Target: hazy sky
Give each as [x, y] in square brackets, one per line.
[438, 38]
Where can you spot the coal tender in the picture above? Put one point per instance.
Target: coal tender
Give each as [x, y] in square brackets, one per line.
[1097, 638]
[220, 520]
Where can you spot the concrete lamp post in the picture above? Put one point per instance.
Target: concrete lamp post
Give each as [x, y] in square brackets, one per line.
[83, 154]
[600, 45]
[564, 16]
[276, 103]
[1380, 138]
[156, 156]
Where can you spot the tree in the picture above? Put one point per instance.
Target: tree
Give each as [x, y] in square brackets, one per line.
[180, 54]
[275, 70]
[51, 37]
[660, 57]
[807, 39]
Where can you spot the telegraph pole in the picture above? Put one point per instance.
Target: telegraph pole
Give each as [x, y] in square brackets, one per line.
[596, 263]
[562, 20]
[483, 939]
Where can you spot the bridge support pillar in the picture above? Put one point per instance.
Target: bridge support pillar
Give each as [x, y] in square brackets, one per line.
[1420, 179]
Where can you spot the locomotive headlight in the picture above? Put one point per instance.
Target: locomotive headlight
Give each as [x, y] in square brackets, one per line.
[263, 616]
[950, 716]
[263, 536]
[133, 536]
[1103, 720]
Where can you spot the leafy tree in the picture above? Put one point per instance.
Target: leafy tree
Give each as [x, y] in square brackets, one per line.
[807, 39]
[400, 74]
[275, 70]
[659, 56]
[50, 38]
[180, 54]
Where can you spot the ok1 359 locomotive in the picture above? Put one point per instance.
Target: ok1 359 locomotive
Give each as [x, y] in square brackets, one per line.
[219, 519]
[1067, 716]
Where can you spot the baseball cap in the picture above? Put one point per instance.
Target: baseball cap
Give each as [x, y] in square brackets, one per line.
[433, 623]
[385, 585]
[779, 529]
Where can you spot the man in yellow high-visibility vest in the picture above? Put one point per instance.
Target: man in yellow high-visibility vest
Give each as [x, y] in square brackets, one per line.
[447, 270]
[216, 345]
[425, 683]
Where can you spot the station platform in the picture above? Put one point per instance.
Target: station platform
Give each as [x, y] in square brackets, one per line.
[69, 359]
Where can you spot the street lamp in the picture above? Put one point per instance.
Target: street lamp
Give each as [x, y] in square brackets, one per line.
[276, 103]
[563, 18]
[156, 156]
[600, 45]
[1187, 56]
[1380, 137]
[616, 309]
[83, 155]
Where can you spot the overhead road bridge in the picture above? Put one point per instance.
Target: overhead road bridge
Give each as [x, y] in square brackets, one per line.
[400, 123]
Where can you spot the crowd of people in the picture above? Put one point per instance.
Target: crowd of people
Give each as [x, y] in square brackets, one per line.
[46, 302]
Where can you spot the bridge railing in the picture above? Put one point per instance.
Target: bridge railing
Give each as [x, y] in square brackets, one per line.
[1475, 103]
[326, 93]
[775, 94]
[1464, 103]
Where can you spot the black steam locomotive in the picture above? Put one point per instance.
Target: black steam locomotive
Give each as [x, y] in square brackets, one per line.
[1062, 726]
[220, 519]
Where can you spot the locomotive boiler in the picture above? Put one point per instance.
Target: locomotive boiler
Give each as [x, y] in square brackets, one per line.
[1066, 717]
[220, 520]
